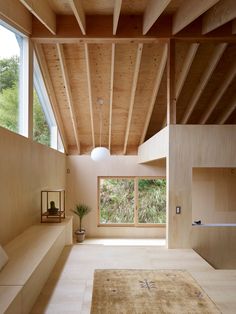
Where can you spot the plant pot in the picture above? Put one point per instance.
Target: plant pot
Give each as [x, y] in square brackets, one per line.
[80, 235]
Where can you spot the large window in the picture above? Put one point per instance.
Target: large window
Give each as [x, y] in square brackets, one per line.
[15, 105]
[132, 201]
[45, 129]
[11, 64]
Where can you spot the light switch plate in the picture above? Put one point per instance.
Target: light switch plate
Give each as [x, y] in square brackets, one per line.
[178, 209]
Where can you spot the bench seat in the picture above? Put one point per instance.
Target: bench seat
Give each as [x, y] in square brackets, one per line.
[32, 255]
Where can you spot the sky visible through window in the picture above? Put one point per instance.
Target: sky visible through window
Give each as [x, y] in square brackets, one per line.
[9, 45]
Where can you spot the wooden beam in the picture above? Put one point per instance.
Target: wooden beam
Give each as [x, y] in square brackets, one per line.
[111, 91]
[229, 110]
[77, 8]
[185, 68]
[171, 99]
[157, 84]
[65, 77]
[14, 13]
[234, 26]
[184, 72]
[89, 91]
[51, 93]
[189, 11]
[116, 15]
[220, 14]
[219, 50]
[43, 12]
[228, 78]
[133, 90]
[153, 10]
[99, 30]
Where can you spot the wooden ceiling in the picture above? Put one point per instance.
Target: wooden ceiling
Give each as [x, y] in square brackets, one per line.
[141, 57]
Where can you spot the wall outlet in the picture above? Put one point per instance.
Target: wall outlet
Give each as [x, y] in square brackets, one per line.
[178, 209]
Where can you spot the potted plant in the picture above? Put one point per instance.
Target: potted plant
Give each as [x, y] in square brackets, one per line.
[81, 210]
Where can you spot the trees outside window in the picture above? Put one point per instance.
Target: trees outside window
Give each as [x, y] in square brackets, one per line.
[132, 201]
[12, 56]
[10, 63]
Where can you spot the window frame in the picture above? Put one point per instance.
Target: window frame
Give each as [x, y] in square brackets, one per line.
[136, 224]
[42, 93]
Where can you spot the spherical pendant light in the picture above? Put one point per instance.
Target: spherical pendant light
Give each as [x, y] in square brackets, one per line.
[100, 153]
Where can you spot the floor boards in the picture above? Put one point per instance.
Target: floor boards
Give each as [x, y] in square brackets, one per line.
[69, 287]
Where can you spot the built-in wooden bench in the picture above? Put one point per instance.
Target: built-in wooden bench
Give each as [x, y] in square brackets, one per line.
[32, 255]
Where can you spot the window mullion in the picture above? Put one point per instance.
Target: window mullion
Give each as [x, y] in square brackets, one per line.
[135, 201]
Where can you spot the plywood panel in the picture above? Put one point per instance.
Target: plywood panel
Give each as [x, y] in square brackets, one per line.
[213, 85]
[54, 69]
[150, 64]
[216, 245]
[82, 186]
[76, 65]
[100, 67]
[159, 110]
[213, 195]
[26, 168]
[193, 146]
[129, 7]
[125, 57]
[200, 63]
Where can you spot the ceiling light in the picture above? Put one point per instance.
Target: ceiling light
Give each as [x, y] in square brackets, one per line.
[100, 153]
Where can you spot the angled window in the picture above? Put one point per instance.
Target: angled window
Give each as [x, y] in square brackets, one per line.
[11, 72]
[45, 130]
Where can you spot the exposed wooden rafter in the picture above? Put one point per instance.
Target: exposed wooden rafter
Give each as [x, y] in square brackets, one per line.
[189, 11]
[184, 72]
[66, 81]
[153, 10]
[43, 12]
[229, 110]
[111, 92]
[228, 78]
[219, 50]
[133, 90]
[171, 97]
[78, 11]
[234, 26]
[185, 68]
[223, 12]
[130, 29]
[155, 92]
[89, 91]
[51, 93]
[17, 15]
[116, 15]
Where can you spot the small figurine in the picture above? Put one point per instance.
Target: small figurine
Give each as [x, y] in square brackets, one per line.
[53, 210]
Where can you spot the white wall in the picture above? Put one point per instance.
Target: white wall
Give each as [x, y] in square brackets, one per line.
[26, 168]
[82, 187]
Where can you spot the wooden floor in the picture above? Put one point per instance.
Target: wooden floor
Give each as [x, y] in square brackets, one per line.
[69, 288]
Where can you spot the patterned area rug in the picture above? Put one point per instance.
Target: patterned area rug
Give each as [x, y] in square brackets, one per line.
[148, 292]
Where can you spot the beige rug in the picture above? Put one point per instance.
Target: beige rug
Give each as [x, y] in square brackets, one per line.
[148, 292]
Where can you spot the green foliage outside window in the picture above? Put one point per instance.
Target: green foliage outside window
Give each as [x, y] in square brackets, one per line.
[117, 200]
[152, 201]
[9, 108]
[41, 131]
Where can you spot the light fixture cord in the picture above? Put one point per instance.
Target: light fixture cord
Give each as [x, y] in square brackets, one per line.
[100, 126]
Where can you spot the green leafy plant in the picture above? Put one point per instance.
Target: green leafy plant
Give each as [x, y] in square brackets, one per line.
[81, 210]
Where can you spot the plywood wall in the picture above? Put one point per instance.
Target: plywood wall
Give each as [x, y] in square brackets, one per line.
[82, 187]
[26, 168]
[213, 195]
[193, 146]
